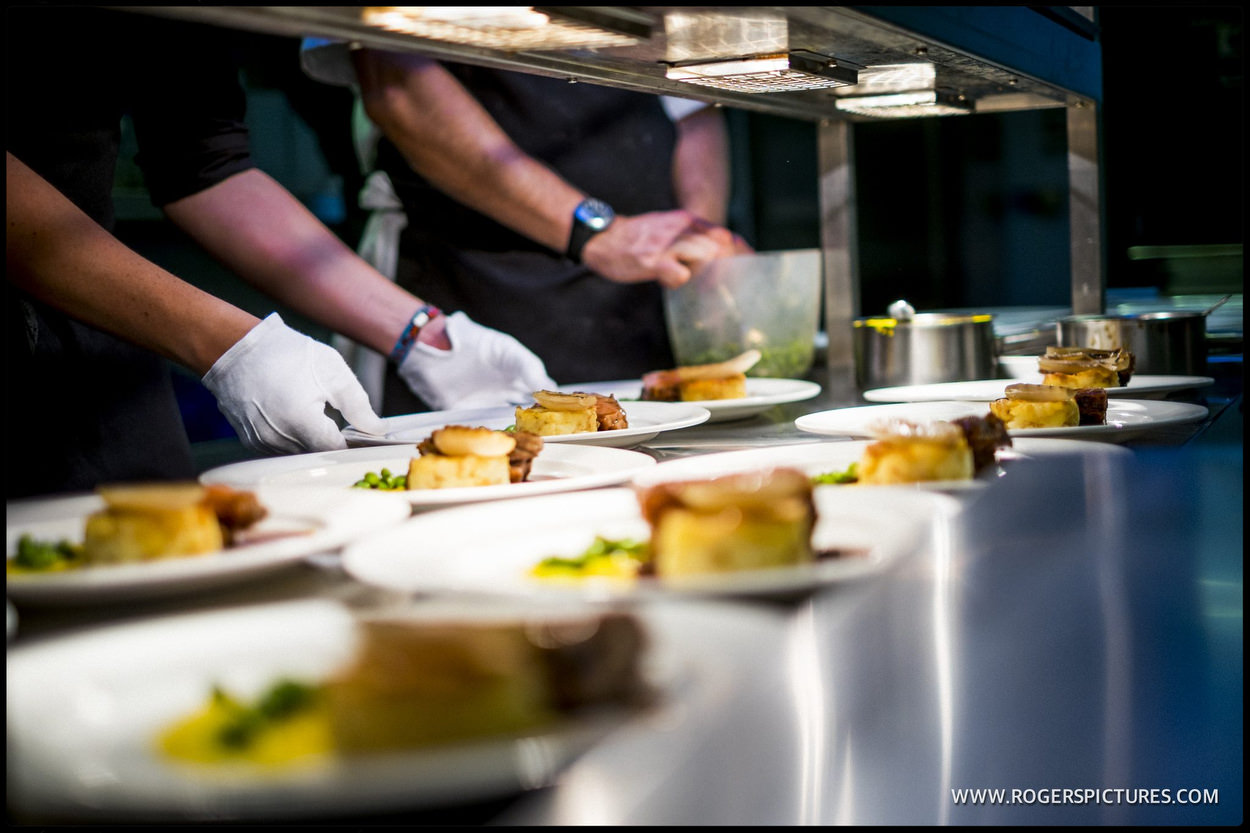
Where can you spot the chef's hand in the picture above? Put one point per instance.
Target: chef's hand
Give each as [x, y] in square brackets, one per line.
[483, 367]
[703, 242]
[664, 246]
[273, 386]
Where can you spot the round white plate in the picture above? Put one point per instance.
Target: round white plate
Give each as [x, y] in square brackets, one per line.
[325, 519]
[1126, 418]
[490, 548]
[762, 394]
[558, 468]
[82, 713]
[646, 420]
[826, 456]
[984, 390]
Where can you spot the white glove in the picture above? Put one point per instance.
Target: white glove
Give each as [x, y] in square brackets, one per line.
[273, 386]
[484, 367]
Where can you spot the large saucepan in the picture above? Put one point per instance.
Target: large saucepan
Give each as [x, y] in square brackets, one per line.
[923, 348]
[1173, 342]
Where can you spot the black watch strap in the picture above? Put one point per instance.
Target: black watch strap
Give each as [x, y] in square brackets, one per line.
[589, 218]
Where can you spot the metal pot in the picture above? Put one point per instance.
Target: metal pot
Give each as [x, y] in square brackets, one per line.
[1099, 332]
[923, 349]
[1169, 343]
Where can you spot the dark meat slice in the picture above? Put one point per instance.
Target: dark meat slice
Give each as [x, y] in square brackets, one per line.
[1092, 404]
[985, 435]
[521, 460]
[594, 663]
[1126, 373]
[610, 414]
[670, 393]
[661, 386]
[236, 510]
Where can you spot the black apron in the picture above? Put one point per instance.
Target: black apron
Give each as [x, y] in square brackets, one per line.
[613, 144]
[85, 408]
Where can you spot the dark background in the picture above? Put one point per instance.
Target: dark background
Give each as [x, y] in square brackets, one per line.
[967, 211]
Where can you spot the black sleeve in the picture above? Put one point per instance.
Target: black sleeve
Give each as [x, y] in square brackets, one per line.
[188, 115]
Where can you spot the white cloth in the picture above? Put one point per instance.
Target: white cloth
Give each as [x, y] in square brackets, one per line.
[678, 108]
[379, 246]
[483, 368]
[273, 386]
[329, 61]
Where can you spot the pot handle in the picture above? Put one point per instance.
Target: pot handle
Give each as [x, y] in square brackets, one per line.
[1216, 305]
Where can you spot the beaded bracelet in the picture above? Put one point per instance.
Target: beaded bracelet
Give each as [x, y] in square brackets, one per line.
[408, 337]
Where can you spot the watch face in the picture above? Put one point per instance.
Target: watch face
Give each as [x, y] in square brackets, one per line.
[595, 213]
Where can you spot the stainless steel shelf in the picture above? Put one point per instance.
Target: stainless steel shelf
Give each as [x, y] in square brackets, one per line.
[875, 42]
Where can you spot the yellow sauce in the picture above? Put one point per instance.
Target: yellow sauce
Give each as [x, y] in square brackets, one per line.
[614, 565]
[302, 738]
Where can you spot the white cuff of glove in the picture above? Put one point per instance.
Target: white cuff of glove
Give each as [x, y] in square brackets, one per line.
[483, 368]
[273, 386]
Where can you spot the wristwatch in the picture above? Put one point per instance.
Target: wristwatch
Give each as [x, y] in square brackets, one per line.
[589, 218]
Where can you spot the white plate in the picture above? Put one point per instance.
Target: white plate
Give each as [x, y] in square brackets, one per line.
[826, 456]
[490, 548]
[1126, 418]
[558, 468]
[82, 712]
[762, 394]
[646, 420]
[984, 390]
[329, 517]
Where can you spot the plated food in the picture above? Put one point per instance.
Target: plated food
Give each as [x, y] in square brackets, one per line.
[908, 452]
[570, 676]
[382, 471]
[544, 546]
[761, 394]
[697, 383]
[1050, 406]
[297, 523]
[418, 681]
[748, 521]
[145, 522]
[1139, 386]
[833, 466]
[1126, 419]
[645, 421]
[1083, 367]
[458, 456]
[554, 412]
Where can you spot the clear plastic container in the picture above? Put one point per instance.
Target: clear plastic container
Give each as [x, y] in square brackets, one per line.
[768, 301]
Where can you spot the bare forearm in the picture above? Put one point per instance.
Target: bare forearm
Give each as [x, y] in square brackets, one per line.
[701, 177]
[262, 233]
[58, 255]
[448, 137]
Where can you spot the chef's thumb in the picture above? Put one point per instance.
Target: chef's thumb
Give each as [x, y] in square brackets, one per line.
[671, 273]
[344, 392]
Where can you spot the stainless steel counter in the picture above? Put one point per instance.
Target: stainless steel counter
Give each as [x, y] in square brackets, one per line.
[1078, 630]
[1072, 638]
